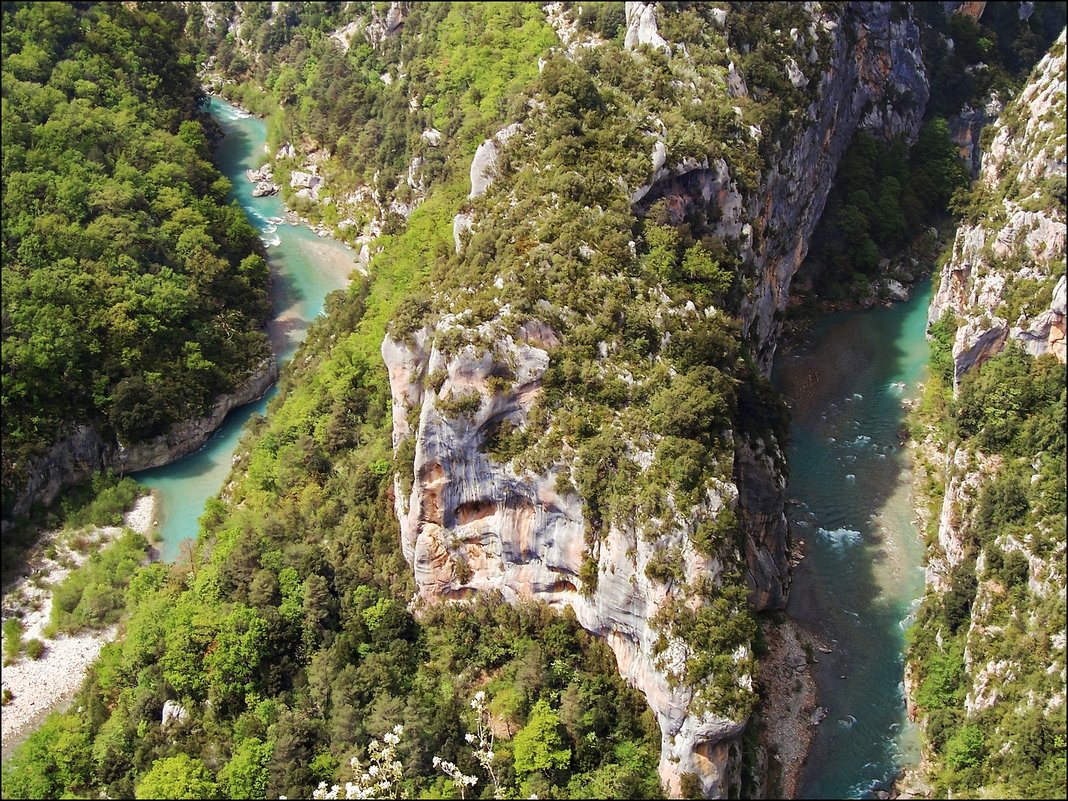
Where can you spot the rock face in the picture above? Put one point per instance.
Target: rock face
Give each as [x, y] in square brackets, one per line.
[86, 450]
[642, 28]
[173, 712]
[1016, 244]
[965, 127]
[485, 161]
[470, 524]
[875, 80]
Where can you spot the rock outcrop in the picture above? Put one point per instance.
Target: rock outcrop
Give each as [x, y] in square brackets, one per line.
[1008, 260]
[471, 523]
[484, 164]
[642, 28]
[875, 80]
[965, 128]
[86, 450]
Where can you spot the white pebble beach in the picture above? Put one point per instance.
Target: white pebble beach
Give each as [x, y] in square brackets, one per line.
[41, 685]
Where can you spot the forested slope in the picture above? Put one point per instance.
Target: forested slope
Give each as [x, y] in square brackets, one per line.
[581, 227]
[987, 653]
[133, 292]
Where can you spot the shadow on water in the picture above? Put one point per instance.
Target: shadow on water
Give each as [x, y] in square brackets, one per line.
[849, 472]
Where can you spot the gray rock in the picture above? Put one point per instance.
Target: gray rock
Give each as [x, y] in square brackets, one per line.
[642, 28]
[484, 162]
[85, 450]
[173, 712]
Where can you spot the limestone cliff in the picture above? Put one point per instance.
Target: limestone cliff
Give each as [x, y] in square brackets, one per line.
[1004, 279]
[874, 79]
[87, 450]
[474, 519]
[993, 611]
[471, 523]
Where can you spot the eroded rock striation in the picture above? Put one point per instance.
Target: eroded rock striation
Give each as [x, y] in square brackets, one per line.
[470, 523]
[1005, 277]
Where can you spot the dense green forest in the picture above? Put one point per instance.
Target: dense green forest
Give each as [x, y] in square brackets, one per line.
[133, 292]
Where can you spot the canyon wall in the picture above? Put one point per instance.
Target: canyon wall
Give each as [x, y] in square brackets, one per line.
[1004, 279]
[472, 523]
[86, 450]
[999, 551]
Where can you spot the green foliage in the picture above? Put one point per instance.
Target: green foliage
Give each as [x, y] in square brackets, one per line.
[943, 670]
[539, 746]
[234, 659]
[35, 648]
[246, 774]
[53, 761]
[112, 498]
[964, 749]
[1006, 404]
[882, 195]
[177, 777]
[466, 403]
[12, 639]
[93, 595]
[128, 297]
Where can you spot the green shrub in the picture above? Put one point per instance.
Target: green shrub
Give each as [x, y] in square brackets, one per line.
[12, 639]
[92, 595]
[35, 648]
[111, 499]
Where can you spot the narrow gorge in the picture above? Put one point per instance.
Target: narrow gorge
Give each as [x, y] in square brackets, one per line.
[583, 484]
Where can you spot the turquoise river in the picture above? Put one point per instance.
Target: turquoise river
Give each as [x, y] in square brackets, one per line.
[846, 384]
[305, 268]
[850, 486]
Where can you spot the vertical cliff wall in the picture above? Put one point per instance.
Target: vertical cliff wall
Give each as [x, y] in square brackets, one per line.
[1004, 279]
[474, 519]
[987, 666]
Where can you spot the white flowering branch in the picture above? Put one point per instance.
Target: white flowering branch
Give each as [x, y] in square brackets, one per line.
[483, 752]
[383, 776]
[462, 781]
[380, 780]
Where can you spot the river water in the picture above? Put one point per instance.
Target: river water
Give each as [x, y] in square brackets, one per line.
[305, 269]
[862, 572]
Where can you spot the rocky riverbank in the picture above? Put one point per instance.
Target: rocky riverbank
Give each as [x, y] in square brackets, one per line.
[38, 686]
[789, 711]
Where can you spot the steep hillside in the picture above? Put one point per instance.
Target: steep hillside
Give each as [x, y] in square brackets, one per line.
[987, 659]
[134, 295]
[627, 238]
[524, 481]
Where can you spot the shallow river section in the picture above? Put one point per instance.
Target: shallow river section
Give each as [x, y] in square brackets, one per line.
[305, 268]
[847, 382]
